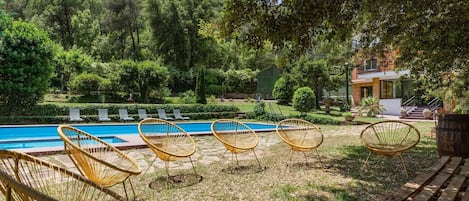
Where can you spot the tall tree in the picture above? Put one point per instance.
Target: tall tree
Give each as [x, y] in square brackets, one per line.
[200, 87]
[431, 37]
[430, 34]
[295, 21]
[55, 17]
[175, 31]
[311, 72]
[85, 30]
[145, 77]
[123, 24]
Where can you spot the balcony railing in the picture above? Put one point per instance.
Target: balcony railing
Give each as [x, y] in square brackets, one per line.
[362, 69]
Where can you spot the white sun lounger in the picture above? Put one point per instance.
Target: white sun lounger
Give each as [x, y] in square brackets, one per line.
[162, 115]
[142, 114]
[177, 115]
[75, 114]
[124, 115]
[103, 115]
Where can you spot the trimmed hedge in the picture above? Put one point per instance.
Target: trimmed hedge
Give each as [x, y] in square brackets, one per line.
[52, 113]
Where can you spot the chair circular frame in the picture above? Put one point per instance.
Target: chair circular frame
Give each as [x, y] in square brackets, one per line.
[389, 146]
[251, 137]
[161, 152]
[24, 189]
[132, 169]
[286, 127]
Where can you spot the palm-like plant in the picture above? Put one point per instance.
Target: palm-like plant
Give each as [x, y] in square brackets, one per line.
[370, 105]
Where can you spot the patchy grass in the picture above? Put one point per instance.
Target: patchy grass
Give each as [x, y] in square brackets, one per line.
[341, 175]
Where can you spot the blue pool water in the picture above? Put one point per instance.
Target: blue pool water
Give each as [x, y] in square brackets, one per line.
[22, 144]
[46, 136]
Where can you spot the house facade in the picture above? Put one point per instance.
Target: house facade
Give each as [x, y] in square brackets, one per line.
[375, 75]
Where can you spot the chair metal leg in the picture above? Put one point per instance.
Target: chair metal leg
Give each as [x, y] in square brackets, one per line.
[151, 164]
[125, 190]
[319, 158]
[306, 158]
[166, 164]
[132, 187]
[291, 157]
[366, 161]
[236, 157]
[223, 156]
[403, 165]
[258, 162]
[195, 172]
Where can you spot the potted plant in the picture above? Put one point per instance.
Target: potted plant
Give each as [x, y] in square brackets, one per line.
[348, 116]
[370, 106]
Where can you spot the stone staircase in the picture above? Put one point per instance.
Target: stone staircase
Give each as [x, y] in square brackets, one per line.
[416, 113]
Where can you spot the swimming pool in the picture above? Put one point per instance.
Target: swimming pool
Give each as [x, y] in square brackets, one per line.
[13, 137]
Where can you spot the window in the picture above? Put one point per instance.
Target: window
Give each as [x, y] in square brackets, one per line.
[366, 91]
[386, 89]
[391, 89]
[371, 65]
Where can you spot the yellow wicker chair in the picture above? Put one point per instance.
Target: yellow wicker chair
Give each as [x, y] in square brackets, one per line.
[24, 177]
[390, 138]
[236, 136]
[97, 160]
[167, 140]
[300, 135]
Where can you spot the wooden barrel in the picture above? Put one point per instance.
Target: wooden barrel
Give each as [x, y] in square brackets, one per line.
[452, 135]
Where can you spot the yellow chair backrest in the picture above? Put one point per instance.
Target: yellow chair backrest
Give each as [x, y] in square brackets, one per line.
[96, 159]
[166, 139]
[236, 136]
[389, 137]
[301, 135]
[24, 177]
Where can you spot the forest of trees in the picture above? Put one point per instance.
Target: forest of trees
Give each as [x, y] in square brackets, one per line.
[153, 48]
[148, 47]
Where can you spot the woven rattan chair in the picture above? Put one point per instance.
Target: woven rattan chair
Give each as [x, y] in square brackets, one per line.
[390, 138]
[96, 159]
[167, 140]
[24, 177]
[236, 136]
[300, 135]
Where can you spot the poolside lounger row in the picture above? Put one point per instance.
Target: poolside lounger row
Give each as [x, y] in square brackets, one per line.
[124, 115]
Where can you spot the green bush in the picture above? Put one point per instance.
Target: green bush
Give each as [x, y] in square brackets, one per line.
[304, 100]
[370, 105]
[282, 91]
[146, 77]
[26, 55]
[87, 82]
[214, 89]
[259, 109]
[243, 80]
[101, 98]
[212, 99]
[321, 120]
[345, 107]
[187, 97]
[68, 64]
